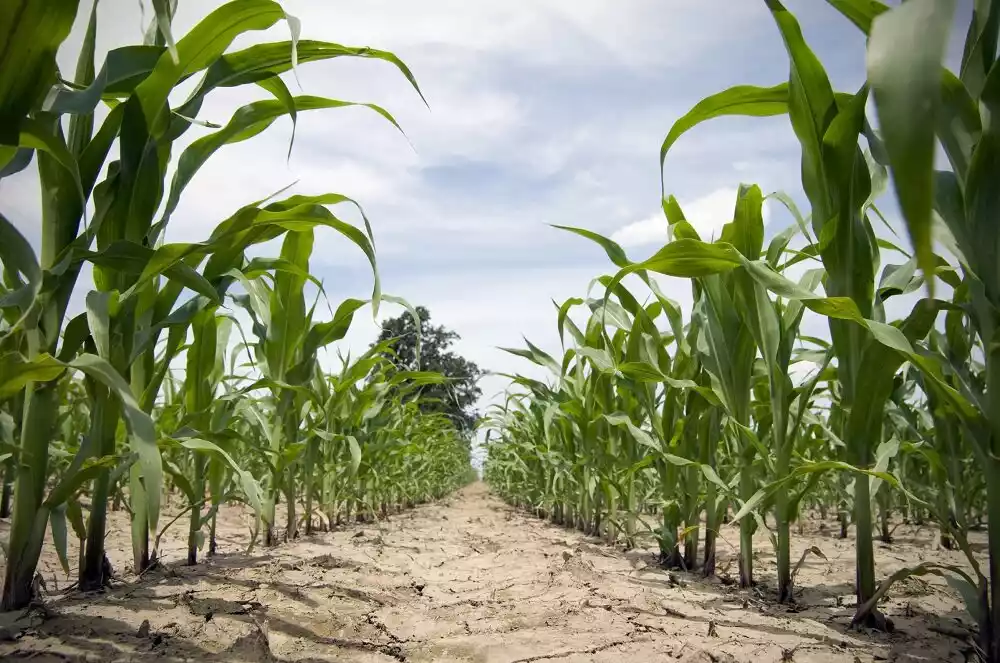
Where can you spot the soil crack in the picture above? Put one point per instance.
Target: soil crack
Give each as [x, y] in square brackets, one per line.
[574, 652]
[418, 590]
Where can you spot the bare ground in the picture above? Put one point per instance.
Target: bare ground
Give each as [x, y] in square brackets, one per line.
[469, 579]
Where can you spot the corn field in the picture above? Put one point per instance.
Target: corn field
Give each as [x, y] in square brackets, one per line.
[156, 390]
[197, 378]
[702, 415]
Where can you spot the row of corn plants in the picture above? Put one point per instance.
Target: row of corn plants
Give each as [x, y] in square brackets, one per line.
[155, 391]
[728, 410]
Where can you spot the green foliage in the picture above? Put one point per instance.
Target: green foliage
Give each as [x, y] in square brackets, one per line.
[128, 428]
[426, 349]
[649, 411]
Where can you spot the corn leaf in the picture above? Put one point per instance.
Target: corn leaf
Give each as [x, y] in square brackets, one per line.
[906, 84]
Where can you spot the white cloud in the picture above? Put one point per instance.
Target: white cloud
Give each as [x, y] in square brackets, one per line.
[650, 230]
[548, 32]
[707, 214]
[559, 104]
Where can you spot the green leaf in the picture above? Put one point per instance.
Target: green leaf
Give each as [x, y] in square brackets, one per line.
[688, 258]
[100, 306]
[246, 123]
[889, 246]
[740, 100]
[142, 434]
[601, 359]
[81, 128]
[639, 435]
[860, 12]
[323, 333]
[295, 31]
[36, 135]
[710, 474]
[123, 69]
[57, 525]
[355, 450]
[19, 258]
[199, 388]
[14, 160]
[75, 515]
[251, 488]
[31, 33]
[779, 244]
[145, 264]
[840, 308]
[537, 356]
[266, 60]
[564, 314]
[883, 455]
[288, 315]
[180, 480]
[70, 483]
[615, 252]
[198, 49]
[807, 469]
[645, 372]
[417, 377]
[811, 107]
[982, 198]
[164, 10]
[306, 212]
[746, 231]
[906, 83]
[959, 124]
[16, 372]
[753, 503]
[980, 54]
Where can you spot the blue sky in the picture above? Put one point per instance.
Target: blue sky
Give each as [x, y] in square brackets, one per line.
[541, 112]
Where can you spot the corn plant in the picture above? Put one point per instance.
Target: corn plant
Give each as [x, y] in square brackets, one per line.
[839, 184]
[960, 113]
[780, 441]
[139, 279]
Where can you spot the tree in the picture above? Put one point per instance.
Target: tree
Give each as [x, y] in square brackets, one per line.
[459, 394]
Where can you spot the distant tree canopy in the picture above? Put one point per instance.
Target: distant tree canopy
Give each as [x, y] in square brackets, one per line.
[459, 394]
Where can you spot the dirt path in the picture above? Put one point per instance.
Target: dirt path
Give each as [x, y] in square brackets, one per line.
[469, 579]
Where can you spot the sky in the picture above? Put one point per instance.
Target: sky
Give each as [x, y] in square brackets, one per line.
[540, 112]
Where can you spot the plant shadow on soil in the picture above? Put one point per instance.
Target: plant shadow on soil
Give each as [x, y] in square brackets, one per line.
[828, 603]
[472, 579]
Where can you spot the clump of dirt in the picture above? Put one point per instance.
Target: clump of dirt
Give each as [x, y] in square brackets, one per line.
[469, 579]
